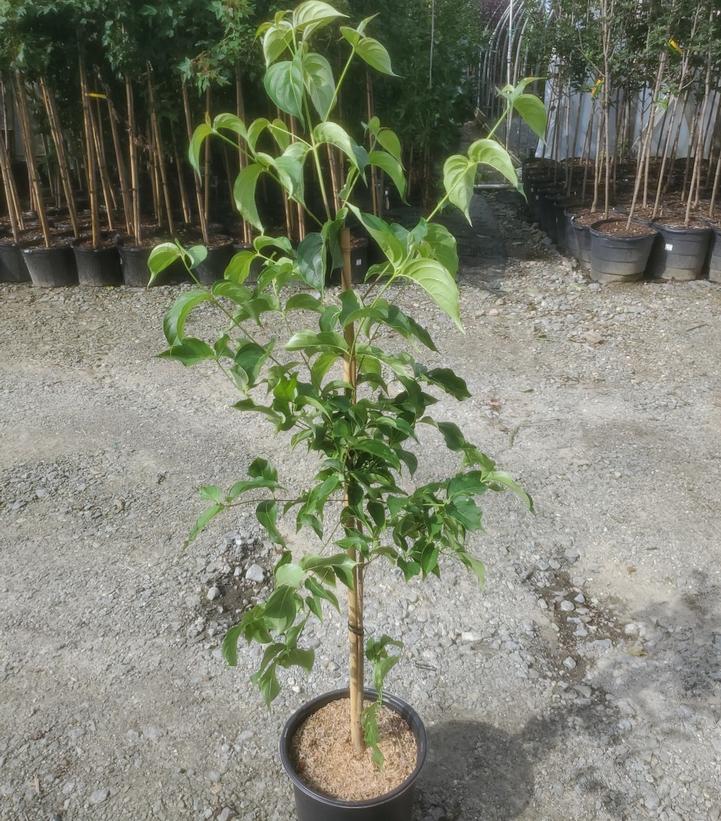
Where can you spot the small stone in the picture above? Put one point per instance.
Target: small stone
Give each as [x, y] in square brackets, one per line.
[226, 814]
[467, 636]
[238, 572]
[151, 733]
[569, 663]
[493, 312]
[213, 593]
[255, 573]
[580, 599]
[542, 604]
[214, 776]
[631, 629]
[593, 338]
[98, 796]
[567, 606]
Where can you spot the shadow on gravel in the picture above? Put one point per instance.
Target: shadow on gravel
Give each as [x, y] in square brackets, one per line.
[474, 771]
[477, 772]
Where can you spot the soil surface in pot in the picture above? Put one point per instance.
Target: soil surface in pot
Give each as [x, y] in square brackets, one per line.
[587, 218]
[620, 228]
[324, 759]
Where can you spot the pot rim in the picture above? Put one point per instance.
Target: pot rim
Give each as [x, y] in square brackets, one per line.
[41, 249]
[394, 703]
[676, 229]
[623, 237]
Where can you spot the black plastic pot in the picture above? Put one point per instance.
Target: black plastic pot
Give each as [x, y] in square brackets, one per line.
[393, 806]
[679, 253]
[134, 265]
[582, 243]
[98, 266]
[618, 258]
[570, 233]
[213, 266]
[51, 267]
[714, 262]
[12, 264]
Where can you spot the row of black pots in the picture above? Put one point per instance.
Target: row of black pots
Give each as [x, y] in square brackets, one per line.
[666, 252]
[114, 265]
[65, 265]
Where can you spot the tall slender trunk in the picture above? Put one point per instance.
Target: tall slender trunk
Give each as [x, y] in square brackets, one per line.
[375, 204]
[355, 596]
[242, 161]
[196, 177]
[8, 185]
[184, 202]
[206, 162]
[133, 157]
[157, 141]
[107, 188]
[56, 133]
[125, 193]
[90, 165]
[27, 136]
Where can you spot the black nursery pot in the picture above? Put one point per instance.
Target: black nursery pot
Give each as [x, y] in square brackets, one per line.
[134, 265]
[714, 262]
[581, 242]
[98, 267]
[12, 264]
[212, 268]
[618, 258]
[51, 267]
[679, 253]
[393, 806]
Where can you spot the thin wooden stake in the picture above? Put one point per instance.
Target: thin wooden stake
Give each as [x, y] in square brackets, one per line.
[133, 156]
[30, 158]
[196, 177]
[159, 151]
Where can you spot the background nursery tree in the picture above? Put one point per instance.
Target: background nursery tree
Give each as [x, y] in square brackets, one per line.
[350, 399]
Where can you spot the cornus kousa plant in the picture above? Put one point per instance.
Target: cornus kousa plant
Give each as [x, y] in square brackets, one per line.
[326, 365]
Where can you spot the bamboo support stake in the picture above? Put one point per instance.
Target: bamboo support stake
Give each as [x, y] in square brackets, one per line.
[90, 165]
[242, 160]
[155, 127]
[8, 184]
[355, 596]
[133, 157]
[125, 193]
[11, 191]
[106, 187]
[375, 204]
[30, 158]
[184, 202]
[206, 162]
[196, 177]
[57, 136]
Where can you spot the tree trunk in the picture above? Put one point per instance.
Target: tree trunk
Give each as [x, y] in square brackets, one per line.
[56, 133]
[119, 161]
[89, 158]
[196, 176]
[355, 596]
[27, 136]
[133, 156]
[159, 152]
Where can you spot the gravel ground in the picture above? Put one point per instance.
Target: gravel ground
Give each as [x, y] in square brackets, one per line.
[584, 682]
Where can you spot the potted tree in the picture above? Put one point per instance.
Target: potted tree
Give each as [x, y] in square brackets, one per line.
[355, 403]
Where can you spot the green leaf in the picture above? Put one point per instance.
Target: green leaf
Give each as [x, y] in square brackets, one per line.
[281, 607]
[277, 40]
[297, 657]
[267, 683]
[284, 84]
[250, 357]
[378, 449]
[203, 521]
[494, 155]
[290, 575]
[311, 261]
[333, 134]
[201, 133]
[317, 589]
[238, 268]
[466, 512]
[320, 83]
[438, 283]
[381, 232]
[255, 129]
[197, 254]
[459, 177]
[281, 134]
[310, 341]
[314, 12]
[533, 112]
[230, 122]
[267, 515]
[190, 351]
[504, 481]
[449, 381]
[475, 565]
[389, 140]
[441, 245]
[392, 167]
[162, 257]
[174, 321]
[373, 53]
[244, 194]
[290, 170]
[304, 302]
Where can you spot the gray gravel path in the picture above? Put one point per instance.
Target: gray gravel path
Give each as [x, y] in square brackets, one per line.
[583, 683]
